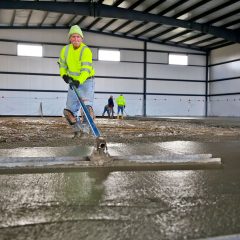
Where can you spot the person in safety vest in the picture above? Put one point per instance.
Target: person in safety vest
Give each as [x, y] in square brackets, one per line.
[121, 102]
[75, 63]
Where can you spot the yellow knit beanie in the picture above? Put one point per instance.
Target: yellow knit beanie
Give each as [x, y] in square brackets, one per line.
[75, 29]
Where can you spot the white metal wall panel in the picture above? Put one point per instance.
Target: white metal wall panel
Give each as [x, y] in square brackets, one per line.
[118, 85]
[229, 86]
[175, 72]
[8, 48]
[28, 103]
[94, 52]
[28, 64]
[118, 69]
[225, 54]
[228, 105]
[36, 35]
[134, 56]
[160, 105]
[153, 46]
[196, 60]
[175, 87]
[14, 81]
[51, 50]
[227, 70]
[157, 57]
[110, 41]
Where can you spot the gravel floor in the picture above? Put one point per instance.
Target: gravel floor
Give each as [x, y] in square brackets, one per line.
[48, 131]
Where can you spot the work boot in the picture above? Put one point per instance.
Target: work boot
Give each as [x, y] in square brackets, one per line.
[69, 116]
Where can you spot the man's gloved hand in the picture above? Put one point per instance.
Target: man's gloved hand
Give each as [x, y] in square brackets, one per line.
[66, 78]
[75, 83]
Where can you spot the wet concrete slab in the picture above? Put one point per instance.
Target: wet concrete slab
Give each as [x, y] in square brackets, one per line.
[102, 204]
[225, 237]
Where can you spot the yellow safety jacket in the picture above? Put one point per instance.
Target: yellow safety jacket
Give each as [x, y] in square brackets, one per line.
[121, 101]
[76, 63]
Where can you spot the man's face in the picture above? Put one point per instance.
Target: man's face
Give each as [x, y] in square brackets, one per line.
[76, 40]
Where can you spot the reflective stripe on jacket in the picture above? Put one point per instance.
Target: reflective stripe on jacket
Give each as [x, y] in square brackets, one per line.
[121, 101]
[76, 63]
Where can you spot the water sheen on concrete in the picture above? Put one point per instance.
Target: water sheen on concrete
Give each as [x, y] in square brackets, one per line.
[177, 204]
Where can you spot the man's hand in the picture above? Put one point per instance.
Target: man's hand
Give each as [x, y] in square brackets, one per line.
[66, 78]
[75, 83]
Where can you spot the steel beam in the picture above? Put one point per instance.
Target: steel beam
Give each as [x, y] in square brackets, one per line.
[100, 10]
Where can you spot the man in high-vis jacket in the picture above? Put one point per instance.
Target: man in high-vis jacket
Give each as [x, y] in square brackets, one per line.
[121, 102]
[75, 63]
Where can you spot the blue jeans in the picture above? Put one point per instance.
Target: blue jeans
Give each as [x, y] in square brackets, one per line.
[120, 108]
[86, 92]
[106, 110]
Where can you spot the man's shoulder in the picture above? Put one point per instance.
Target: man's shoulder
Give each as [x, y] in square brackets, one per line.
[86, 47]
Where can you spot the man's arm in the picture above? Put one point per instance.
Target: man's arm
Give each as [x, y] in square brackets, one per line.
[86, 66]
[62, 63]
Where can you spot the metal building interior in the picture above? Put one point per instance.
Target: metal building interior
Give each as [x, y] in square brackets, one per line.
[192, 109]
[145, 33]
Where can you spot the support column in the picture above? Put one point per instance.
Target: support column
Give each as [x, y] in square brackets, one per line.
[206, 85]
[144, 78]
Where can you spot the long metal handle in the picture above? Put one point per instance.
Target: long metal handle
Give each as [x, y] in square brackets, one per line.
[101, 145]
[90, 121]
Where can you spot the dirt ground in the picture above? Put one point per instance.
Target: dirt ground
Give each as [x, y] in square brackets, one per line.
[49, 131]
